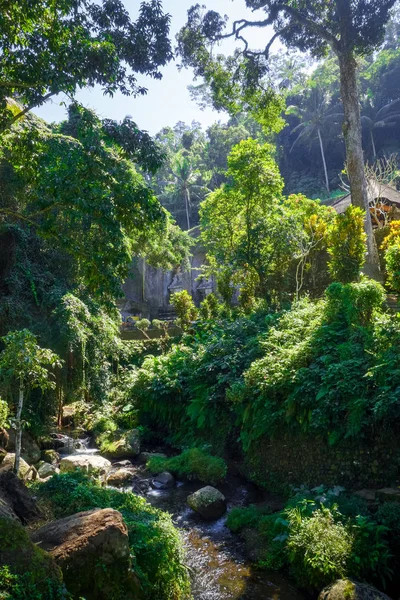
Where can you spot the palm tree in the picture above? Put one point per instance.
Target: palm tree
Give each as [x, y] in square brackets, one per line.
[185, 183]
[314, 118]
[377, 118]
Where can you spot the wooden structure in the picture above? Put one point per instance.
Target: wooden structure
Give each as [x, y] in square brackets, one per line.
[384, 202]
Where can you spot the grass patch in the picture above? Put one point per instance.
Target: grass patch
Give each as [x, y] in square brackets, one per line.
[191, 464]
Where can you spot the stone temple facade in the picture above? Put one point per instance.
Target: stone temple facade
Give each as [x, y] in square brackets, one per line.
[148, 290]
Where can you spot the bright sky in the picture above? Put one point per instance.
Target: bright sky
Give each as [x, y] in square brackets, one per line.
[167, 101]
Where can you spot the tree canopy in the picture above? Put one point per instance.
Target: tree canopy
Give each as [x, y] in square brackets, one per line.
[52, 47]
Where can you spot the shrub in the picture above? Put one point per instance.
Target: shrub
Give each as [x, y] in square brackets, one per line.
[346, 245]
[355, 302]
[184, 308]
[209, 307]
[240, 517]
[392, 261]
[319, 547]
[370, 557]
[3, 413]
[191, 464]
[158, 557]
[23, 587]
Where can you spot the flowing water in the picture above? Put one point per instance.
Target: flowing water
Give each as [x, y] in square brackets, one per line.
[215, 555]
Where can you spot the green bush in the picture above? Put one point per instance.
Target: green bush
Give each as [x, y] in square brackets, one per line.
[3, 413]
[392, 261]
[319, 547]
[346, 245]
[184, 308]
[191, 464]
[23, 587]
[158, 557]
[241, 517]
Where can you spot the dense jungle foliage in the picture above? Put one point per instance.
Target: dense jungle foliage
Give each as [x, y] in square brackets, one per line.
[293, 341]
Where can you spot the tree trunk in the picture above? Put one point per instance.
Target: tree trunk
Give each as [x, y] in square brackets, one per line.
[323, 160]
[373, 143]
[354, 154]
[18, 428]
[187, 201]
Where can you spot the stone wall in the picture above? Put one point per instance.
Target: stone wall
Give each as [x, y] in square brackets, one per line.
[355, 464]
[147, 291]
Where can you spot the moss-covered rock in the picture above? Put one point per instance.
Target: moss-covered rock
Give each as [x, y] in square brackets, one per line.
[51, 456]
[120, 444]
[208, 502]
[92, 550]
[7, 464]
[346, 589]
[34, 569]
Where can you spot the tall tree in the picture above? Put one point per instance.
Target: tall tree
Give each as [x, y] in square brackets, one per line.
[378, 118]
[49, 47]
[24, 363]
[314, 117]
[187, 183]
[349, 27]
[76, 186]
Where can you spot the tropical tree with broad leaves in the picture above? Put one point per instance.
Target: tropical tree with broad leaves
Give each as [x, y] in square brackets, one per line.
[378, 118]
[187, 183]
[315, 116]
[49, 47]
[24, 364]
[350, 28]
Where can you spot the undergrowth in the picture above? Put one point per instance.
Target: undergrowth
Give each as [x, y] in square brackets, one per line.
[191, 464]
[157, 552]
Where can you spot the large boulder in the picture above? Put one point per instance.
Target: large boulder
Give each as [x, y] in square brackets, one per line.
[92, 549]
[46, 470]
[120, 477]
[7, 464]
[51, 456]
[125, 444]
[41, 576]
[163, 481]
[18, 498]
[209, 502]
[91, 463]
[346, 589]
[30, 450]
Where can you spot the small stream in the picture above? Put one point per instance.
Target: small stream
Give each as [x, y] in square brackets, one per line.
[215, 556]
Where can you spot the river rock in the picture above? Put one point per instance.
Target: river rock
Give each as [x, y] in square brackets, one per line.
[51, 456]
[144, 457]
[125, 445]
[122, 464]
[163, 481]
[46, 470]
[7, 464]
[346, 589]
[120, 477]
[92, 549]
[18, 498]
[69, 414]
[22, 556]
[91, 463]
[30, 450]
[209, 502]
